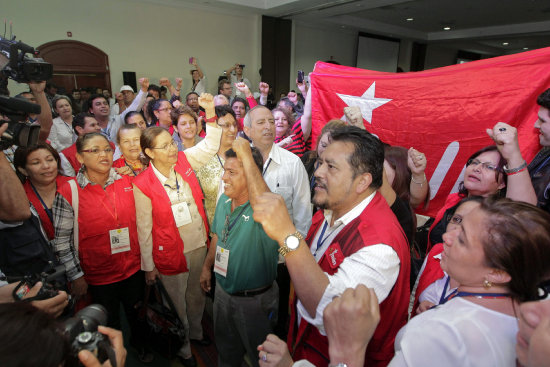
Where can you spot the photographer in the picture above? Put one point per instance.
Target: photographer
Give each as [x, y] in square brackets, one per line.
[53, 306]
[26, 329]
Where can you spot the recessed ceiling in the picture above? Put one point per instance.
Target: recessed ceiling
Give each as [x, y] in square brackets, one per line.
[477, 25]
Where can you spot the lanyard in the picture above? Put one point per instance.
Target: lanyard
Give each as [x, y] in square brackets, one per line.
[219, 160]
[48, 210]
[228, 226]
[321, 240]
[266, 167]
[443, 297]
[131, 169]
[114, 215]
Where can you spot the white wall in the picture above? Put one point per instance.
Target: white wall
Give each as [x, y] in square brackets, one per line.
[151, 39]
[314, 43]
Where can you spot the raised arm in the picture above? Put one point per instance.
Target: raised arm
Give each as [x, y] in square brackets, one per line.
[264, 91]
[254, 180]
[305, 120]
[45, 116]
[419, 187]
[197, 67]
[230, 70]
[519, 186]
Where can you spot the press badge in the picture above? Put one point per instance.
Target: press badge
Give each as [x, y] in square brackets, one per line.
[182, 216]
[120, 240]
[222, 259]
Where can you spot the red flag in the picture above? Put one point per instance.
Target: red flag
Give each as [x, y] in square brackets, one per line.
[441, 112]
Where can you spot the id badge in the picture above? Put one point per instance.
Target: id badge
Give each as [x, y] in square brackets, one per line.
[222, 260]
[120, 240]
[182, 216]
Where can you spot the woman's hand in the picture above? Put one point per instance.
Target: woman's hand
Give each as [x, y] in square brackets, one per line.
[144, 84]
[506, 139]
[274, 353]
[151, 276]
[243, 88]
[206, 101]
[416, 161]
[79, 287]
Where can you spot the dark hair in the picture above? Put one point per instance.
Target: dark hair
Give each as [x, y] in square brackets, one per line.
[80, 120]
[242, 100]
[221, 83]
[130, 114]
[148, 137]
[21, 154]
[163, 89]
[328, 128]
[258, 159]
[126, 127]
[81, 141]
[30, 337]
[154, 87]
[188, 94]
[516, 239]
[89, 102]
[368, 154]
[463, 191]
[544, 99]
[286, 101]
[182, 110]
[223, 110]
[397, 158]
[153, 106]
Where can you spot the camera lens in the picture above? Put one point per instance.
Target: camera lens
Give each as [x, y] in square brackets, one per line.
[92, 316]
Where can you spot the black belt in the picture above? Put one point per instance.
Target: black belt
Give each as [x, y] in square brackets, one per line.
[252, 292]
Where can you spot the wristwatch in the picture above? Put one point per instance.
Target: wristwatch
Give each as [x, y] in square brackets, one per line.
[292, 241]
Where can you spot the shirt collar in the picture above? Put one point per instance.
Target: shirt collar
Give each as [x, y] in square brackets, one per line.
[162, 178]
[83, 181]
[275, 154]
[352, 214]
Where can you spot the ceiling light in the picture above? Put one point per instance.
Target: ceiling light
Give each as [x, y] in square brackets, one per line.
[526, 48]
[505, 43]
[446, 28]
[409, 19]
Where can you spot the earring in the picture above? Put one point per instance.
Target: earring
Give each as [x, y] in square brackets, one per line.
[487, 284]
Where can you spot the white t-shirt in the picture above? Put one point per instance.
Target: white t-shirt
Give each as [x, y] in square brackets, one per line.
[459, 333]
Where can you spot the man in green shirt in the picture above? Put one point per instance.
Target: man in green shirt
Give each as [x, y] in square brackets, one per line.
[245, 262]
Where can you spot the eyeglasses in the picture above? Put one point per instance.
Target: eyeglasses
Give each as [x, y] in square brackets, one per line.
[167, 147]
[488, 166]
[165, 109]
[97, 151]
[454, 218]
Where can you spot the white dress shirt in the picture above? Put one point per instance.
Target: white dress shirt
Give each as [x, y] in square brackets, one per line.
[284, 174]
[61, 135]
[376, 266]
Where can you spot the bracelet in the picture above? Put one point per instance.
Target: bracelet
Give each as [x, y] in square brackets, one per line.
[211, 119]
[418, 183]
[513, 171]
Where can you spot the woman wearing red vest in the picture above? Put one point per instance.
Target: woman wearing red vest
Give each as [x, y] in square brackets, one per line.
[172, 224]
[40, 165]
[104, 257]
[131, 162]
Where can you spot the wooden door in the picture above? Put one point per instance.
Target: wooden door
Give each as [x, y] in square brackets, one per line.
[77, 64]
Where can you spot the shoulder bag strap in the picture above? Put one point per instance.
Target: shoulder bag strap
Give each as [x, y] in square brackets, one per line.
[74, 204]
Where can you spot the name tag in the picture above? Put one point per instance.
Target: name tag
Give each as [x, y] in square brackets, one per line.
[222, 260]
[120, 240]
[182, 216]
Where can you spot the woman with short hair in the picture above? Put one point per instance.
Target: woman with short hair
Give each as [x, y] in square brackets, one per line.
[61, 134]
[184, 120]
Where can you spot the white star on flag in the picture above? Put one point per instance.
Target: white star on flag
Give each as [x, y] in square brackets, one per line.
[367, 102]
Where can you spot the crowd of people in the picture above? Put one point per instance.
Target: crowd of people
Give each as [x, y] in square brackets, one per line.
[310, 246]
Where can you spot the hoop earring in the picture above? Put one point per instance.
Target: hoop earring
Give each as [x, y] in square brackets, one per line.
[487, 284]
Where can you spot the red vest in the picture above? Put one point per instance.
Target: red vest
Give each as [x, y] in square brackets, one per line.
[35, 201]
[376, 224]
[70, 154]
[167, 243]
[100, 211]
[432, 272]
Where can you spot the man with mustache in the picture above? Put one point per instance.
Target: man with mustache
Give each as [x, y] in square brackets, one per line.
[355, 240]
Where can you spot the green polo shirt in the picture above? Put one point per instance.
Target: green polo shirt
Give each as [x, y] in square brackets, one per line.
[253, 255]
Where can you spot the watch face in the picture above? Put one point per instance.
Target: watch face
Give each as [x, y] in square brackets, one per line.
[292, 242]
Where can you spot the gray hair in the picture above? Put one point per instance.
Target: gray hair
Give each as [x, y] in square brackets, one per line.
[59, 97]
[247, 121]
[220, 99]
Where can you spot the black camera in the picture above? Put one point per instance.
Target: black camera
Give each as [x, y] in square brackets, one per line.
[53, 281]
[17, 65]
[83, 335]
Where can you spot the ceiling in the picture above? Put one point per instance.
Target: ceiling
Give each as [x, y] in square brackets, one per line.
[483, 26]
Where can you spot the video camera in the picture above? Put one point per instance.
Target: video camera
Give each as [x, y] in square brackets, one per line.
[17, 65]
[83, 335]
